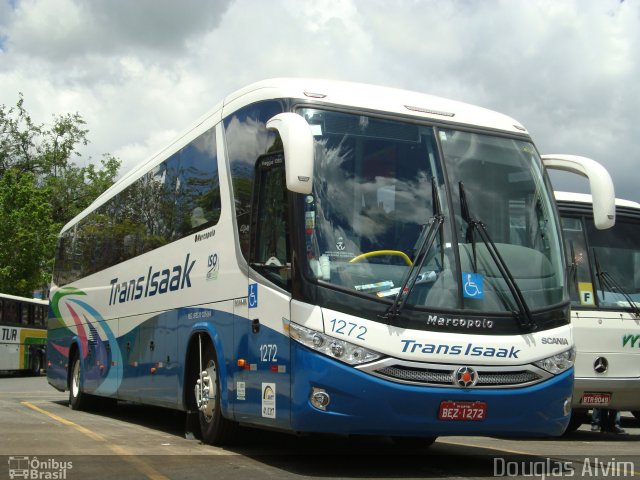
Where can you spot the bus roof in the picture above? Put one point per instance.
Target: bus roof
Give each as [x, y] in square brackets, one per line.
[372, 97]
[24, 299]
[331, 92]
[586, 199]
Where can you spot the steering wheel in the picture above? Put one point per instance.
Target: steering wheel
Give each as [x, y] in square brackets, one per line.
[376, 253]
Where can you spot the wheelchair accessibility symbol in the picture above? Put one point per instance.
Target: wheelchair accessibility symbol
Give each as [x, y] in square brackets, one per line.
[472, 285]
[253, 295]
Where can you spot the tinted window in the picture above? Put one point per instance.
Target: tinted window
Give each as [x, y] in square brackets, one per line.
[247, 138]
[177, 198]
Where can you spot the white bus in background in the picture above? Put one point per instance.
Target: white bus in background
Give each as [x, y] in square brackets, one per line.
[319, 256]
[23, 334]
[604, 284]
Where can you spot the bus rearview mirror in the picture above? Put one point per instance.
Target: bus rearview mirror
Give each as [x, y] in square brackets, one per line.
[600, 184]
[297, 142]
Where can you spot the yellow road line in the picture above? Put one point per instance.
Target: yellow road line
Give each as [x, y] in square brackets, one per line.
[137, 462]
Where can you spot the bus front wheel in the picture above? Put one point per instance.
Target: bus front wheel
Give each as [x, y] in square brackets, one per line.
[36, 364]
[214, 427]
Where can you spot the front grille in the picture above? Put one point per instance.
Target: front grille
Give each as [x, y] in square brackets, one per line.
[416, 375]
[444, 375]
[507, 378]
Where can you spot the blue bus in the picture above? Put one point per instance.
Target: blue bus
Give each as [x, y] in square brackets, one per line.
[327, 257]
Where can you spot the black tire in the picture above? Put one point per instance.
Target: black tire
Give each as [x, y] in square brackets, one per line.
[578, 417]
[78, 400]
[636, 414]
[36, 364]
[215, 429]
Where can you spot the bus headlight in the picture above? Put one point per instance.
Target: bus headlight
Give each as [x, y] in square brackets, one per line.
[331, 346]
[557, 363]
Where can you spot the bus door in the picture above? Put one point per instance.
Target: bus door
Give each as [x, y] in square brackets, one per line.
[263, 380]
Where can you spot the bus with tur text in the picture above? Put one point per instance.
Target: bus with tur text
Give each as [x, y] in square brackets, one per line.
[316, 256]
[23, 334]
[604, 286]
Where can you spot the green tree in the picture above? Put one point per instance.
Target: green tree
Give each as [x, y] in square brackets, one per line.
[41, 189]
[27, 234]
[73, 188]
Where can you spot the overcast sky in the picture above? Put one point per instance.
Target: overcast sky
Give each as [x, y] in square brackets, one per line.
[141, 71]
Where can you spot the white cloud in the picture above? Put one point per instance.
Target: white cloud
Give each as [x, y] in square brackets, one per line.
[139, 71]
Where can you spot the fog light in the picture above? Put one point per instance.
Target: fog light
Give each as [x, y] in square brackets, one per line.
[319, 398]
[566, 409]
[337, 349]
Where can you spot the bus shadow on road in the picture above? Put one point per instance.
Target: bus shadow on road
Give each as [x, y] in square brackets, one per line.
[156, 418]
[344, 456]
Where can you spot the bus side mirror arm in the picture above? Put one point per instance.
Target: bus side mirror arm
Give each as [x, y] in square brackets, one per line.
[297, 143]
[600, 184]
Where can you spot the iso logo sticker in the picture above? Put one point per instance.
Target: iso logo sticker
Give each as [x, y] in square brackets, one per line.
[213, 267]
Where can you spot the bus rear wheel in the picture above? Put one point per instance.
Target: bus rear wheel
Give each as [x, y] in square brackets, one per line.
[214, 427]
[77, 398]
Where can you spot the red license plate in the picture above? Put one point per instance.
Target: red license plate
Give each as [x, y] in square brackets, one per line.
[462, 411]
[595, 398]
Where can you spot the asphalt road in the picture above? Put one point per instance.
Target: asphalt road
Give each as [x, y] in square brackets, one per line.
[40, 437]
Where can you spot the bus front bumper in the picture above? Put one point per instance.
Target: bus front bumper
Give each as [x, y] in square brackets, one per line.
[360, 403]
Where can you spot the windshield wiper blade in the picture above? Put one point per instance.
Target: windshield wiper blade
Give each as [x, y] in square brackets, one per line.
[524, 316]
[425, 241]
[573, 266]
[607, 280]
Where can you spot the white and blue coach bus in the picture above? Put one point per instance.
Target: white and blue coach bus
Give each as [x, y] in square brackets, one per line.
[604, 287]
[317, 256]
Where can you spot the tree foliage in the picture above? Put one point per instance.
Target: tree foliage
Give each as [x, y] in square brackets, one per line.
[41, 189]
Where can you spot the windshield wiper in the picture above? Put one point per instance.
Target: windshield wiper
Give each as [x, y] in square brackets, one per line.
[573, 266]
[525, 319]
[607, 281]
[425, 241]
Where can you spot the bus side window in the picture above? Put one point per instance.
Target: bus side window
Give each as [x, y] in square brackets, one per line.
[578, 261]
[24, 314]
[269, 252]
[38, 316]
[246, 138]
[11, 312]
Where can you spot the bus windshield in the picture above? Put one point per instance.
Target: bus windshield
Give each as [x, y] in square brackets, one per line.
[615, 278]
[380, 183]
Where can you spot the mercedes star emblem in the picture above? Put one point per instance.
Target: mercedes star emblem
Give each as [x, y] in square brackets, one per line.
[600, 365]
